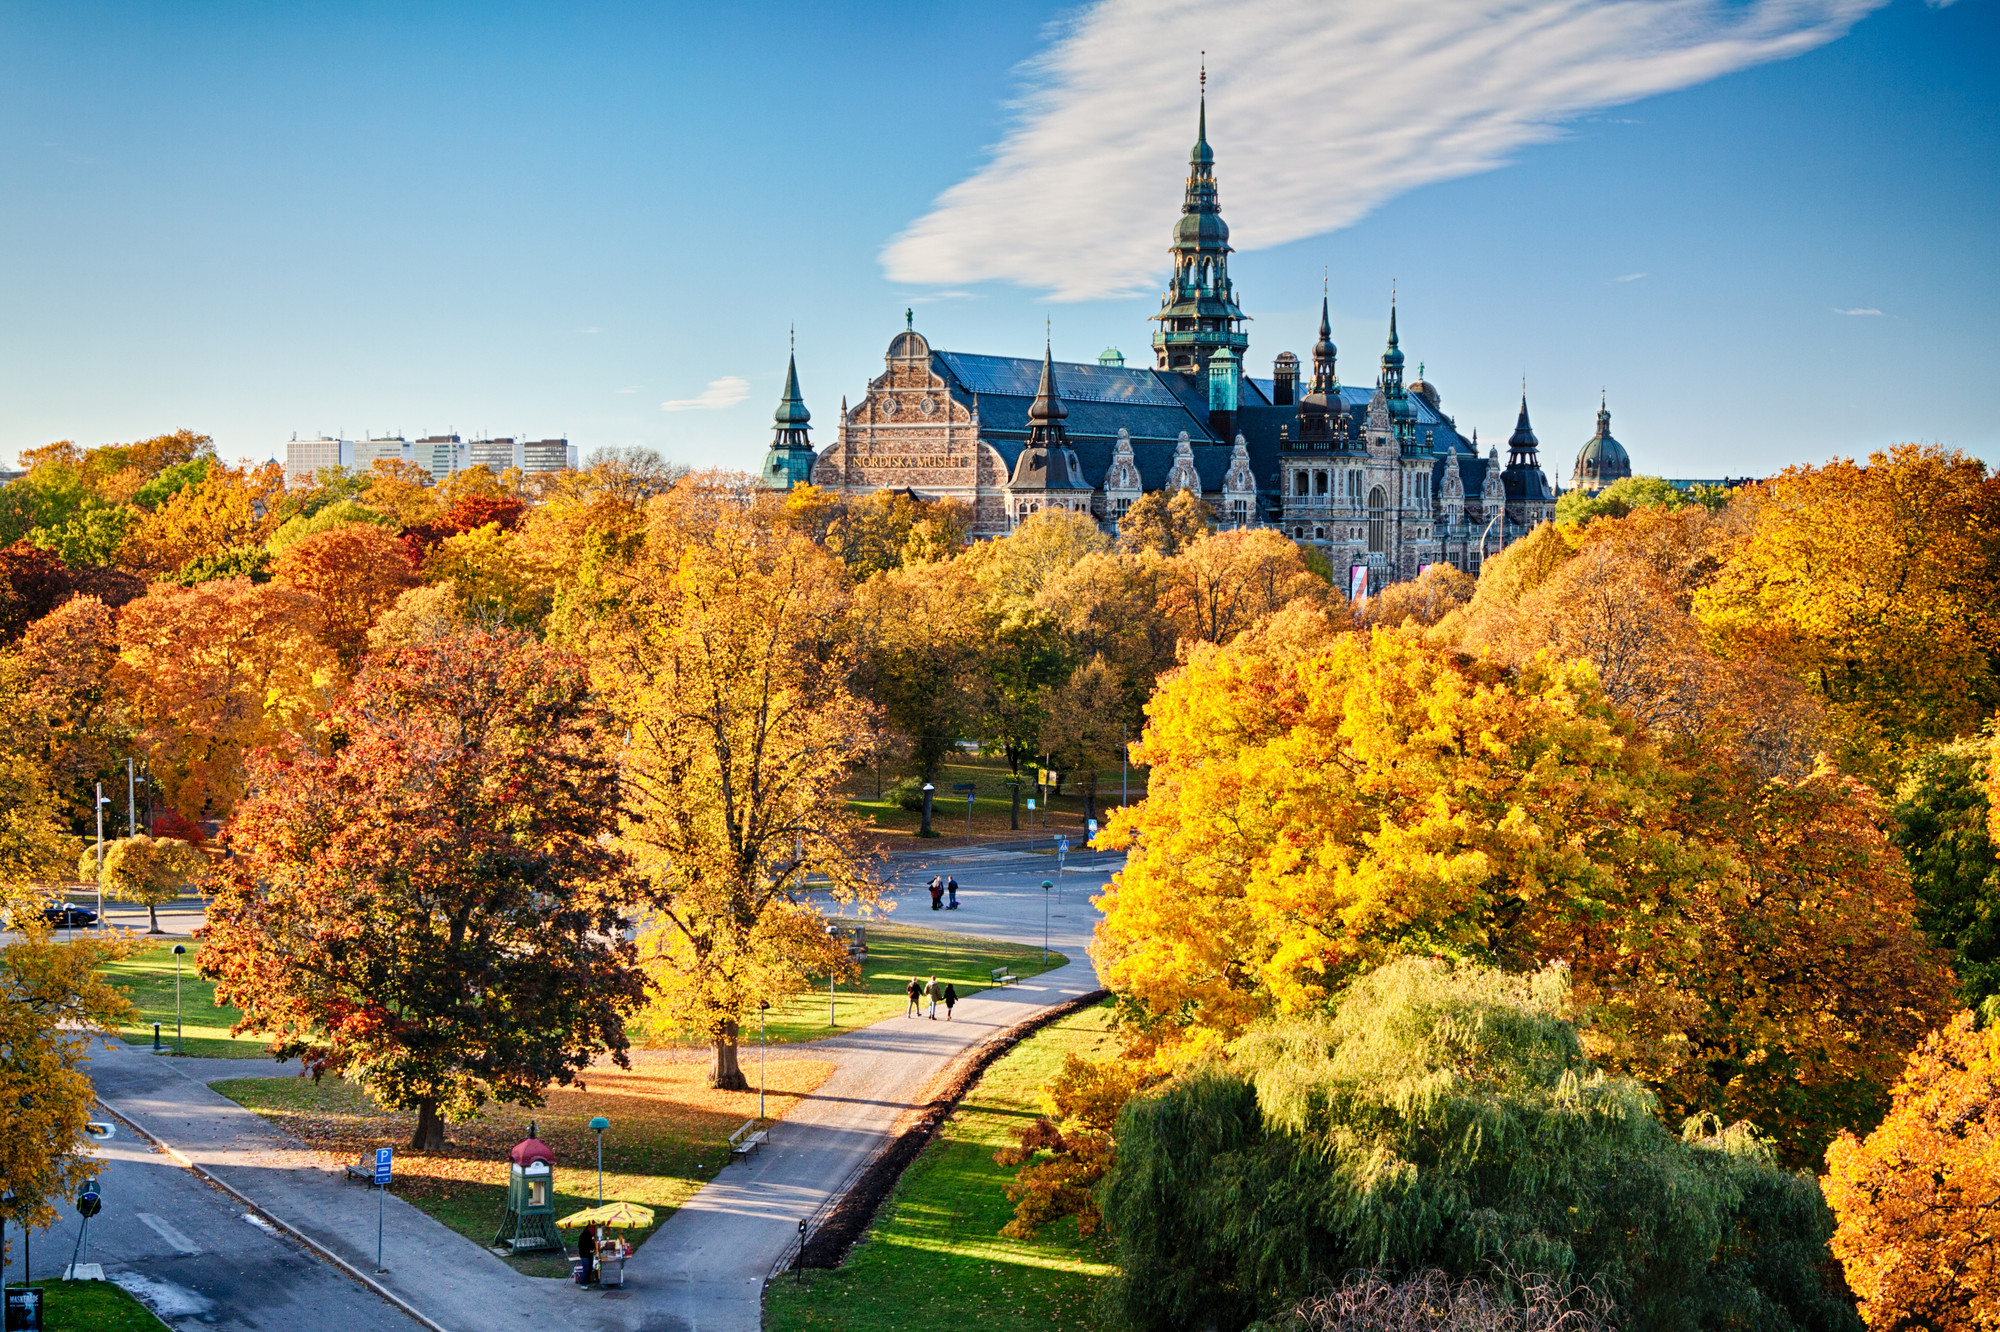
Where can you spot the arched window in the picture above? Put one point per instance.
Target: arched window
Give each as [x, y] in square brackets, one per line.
[1319, 482]
[1319, 534]
[1377, 525]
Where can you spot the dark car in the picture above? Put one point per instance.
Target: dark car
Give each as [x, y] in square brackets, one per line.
[68, 913]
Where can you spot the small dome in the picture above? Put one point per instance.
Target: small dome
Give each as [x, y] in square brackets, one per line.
[530, 1150]
[1424, 389]
[1602, 459]
[909, 345]
[1201, 229]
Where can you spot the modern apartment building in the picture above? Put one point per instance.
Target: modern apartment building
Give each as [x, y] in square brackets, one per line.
[304, 457]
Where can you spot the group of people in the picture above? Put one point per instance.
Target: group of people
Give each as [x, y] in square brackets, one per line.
[919, 991]
[938, 890]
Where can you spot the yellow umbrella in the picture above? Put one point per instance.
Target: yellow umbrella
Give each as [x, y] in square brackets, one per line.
[620, 1215]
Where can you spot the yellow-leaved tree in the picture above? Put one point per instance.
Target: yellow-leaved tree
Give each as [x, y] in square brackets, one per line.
[1919, 1198]
[726, 658]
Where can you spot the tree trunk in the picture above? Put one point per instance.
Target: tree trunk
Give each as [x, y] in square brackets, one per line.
[1014, 807]
[429, 1136]
[727, 1074]
[153, 914]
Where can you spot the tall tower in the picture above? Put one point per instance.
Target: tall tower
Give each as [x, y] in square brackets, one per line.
[1325, 379]
[789, 460]
[1402, 412]
[1198, 313]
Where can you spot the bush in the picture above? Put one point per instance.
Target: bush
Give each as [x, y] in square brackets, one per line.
[1446, 1118]
[909, 794]
[1433, 1302]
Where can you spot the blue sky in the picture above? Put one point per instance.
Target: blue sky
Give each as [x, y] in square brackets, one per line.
[514, 219]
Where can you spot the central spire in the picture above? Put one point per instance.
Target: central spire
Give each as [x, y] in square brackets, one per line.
[1047, 413]
[1325, 380]
[1198, 313]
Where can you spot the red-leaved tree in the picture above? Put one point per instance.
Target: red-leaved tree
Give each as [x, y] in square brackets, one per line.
[433, 910]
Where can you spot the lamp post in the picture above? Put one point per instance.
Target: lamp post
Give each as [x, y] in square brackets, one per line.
[762, 1005]
[600, 1123]
[178, 950]
[1046, 885]
[102, 801]
[925, 831]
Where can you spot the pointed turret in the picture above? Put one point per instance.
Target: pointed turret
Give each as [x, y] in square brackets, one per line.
[1325, 380]
[1047, 474]
[1198, 313]
[1046, 413]
[1522, 446]
[789, 460]
[1402, 412]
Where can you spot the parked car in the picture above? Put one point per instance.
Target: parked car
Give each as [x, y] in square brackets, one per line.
[60, 914]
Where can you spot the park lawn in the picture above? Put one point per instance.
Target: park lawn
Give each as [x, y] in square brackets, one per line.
[896, 952]
[992, 806]
[935, 1261]
[669, 1135]
[148, 976]
[93, 1306]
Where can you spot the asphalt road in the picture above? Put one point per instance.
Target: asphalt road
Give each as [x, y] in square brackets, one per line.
[190, 1253]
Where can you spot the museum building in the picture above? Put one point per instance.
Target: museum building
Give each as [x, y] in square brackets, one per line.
[1378, 477]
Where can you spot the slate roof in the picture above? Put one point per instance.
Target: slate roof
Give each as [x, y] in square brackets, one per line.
[1155, 407]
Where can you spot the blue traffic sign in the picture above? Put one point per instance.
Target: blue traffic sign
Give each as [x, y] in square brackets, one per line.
[383, 1155]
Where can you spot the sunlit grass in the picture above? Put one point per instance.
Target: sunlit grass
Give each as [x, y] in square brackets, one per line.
[148, 976]
[935, 1260]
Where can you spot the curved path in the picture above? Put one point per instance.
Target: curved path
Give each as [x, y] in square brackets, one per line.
[704, 1269]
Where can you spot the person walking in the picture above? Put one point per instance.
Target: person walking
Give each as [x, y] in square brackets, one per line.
[951, 886]
[586, 1249]
[950, 999]
[932, 991]
[913, 989]
[937, 892]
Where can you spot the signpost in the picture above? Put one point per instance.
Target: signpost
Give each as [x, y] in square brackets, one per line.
[383, 1157]
[969, 790]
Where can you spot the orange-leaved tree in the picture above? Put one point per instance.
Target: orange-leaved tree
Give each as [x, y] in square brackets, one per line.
[211, 672]
[435, 909]
[356, 570]
[228, 506]
[1918, 1199]
[726, 657]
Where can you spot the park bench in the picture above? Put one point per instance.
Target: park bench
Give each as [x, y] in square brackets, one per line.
[1002, 976]
[365, 1172]
[747, 1139]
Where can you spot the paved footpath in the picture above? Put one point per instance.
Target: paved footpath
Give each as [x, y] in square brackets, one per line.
[704, 1269]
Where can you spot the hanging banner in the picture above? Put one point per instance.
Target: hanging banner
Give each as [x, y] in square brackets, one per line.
[1357, 585]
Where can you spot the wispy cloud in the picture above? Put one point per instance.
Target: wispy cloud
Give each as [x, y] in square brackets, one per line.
[724, 392]
[1858, 310]
[1629, 277]
[1322, 111]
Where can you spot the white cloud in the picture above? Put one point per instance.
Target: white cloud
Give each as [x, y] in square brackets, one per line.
[1629, 277]
[1321, 112]
[724, 392]
[1858, 310]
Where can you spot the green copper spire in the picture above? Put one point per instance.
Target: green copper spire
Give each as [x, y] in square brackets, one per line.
[789, 460]
[1198, 313]
[792, 411]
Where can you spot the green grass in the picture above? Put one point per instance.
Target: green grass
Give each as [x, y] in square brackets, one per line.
[93, 1306]
[896, 953]
[148, 976]
[935, 1260]
[991, 804]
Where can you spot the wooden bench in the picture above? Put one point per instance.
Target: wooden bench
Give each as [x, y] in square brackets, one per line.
[365, 1172]
[747, 1139]
[1001, 976]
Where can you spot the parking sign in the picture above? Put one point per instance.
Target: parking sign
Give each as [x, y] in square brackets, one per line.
[382, 1159]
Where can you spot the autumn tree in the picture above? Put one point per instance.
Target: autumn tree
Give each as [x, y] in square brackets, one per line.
[355, 571]
[143, 869]
[1423, 600]
[1222, 584]
[399, 489]
[1319, 803]
[32, 582]
[1082, 730]
[434, 910]
[1874, 585]
[494, 574]
[214, 671]
[52, 998]
[229, 506]
[1917, 1197]
[1112, 605]
[73, 717]
[728, 658]
[920, 634]
[1015, 567]
[326, 518]
[1164, 524]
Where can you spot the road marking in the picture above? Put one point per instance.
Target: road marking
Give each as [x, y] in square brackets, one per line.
[181, 1243]
[261, 1224]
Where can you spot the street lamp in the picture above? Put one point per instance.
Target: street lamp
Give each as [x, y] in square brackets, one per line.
[178, 950]
[102, 801]
[762, 1005]
[600, 1123]
[1046, 885]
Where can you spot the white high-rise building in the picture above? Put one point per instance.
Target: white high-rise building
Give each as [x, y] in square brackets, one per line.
[385, 448]
[305, 457]
[440, 455]
[547, 455]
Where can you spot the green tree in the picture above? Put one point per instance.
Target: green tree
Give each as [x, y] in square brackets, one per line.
[1618, 499]
[143, 869]
[1942, 827]
[1447, 1118]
